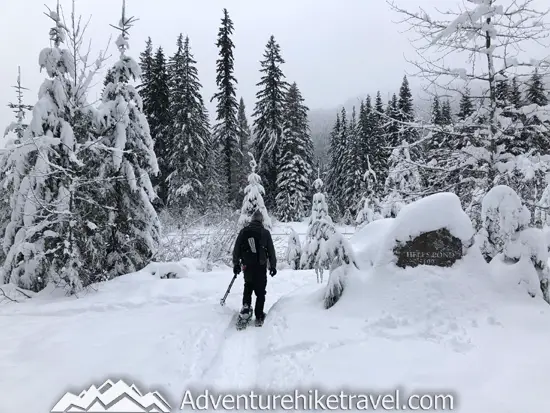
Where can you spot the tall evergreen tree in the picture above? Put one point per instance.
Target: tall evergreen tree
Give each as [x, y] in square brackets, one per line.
[338, 168]
[392, 126]
[538, 130]
[42, 238]
[466, 107]
[159, 122]
[226, 128]
[333, 169]
[378, 161]
[514, 96]
[244, 133]
[269, 118]
[502, 91]
[145, 88]
[405, 114]
[14, 134]
[134, 231]
[296, 164]
[189, 131]
[353, 170]
[536, 94]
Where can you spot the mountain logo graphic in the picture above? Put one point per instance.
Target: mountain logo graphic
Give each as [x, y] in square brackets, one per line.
[112, 397]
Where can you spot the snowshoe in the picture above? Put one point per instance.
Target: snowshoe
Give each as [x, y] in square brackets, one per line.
[244, 317]
[260, 321]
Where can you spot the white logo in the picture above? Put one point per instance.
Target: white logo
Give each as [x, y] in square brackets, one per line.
[112, 397]
[252, 243]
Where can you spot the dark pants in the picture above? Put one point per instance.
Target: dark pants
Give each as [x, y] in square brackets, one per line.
[255, 281]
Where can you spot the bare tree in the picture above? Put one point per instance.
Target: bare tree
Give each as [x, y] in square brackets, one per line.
[489, 37]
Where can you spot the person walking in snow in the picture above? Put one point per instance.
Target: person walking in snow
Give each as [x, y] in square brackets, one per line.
[252, 252]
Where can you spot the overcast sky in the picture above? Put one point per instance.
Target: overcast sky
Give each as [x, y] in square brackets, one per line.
[334, 50]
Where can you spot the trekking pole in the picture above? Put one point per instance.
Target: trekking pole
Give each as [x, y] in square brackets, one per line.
[222, 301]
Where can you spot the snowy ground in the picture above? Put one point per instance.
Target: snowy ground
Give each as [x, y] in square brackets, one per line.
[422, 330]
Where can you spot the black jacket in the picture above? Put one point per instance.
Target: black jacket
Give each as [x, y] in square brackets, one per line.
[241, 251]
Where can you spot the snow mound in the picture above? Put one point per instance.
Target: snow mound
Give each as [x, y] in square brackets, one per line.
[10, 293]
[366, 241]
[164, 270]
[438, 211]
[429, 328]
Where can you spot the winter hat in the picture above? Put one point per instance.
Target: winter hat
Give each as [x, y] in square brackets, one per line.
[258, 216]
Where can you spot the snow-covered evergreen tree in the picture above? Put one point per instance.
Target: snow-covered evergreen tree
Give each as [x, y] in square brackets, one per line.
[134, 230]
[145, 88]
[502, 216]
[294, 250]
[40, 240]
[391, 125]
[188, 157]
[337, 168]
[378, 155]
[155, 94]
[226, 130]
[338, 255]
[160, 122]
[13, 136]
[333, 169]
[352, 170]
[403, 184]
[269, 117]
[295, 165]
[370, 203]
[253, 198]
[320, 228]
[245, 135]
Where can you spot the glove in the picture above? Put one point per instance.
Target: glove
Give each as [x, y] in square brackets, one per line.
[237, 269]
[273, 271]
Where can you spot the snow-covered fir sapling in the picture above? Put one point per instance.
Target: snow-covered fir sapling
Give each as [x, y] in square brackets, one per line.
[135, 226]
[502, 216]
[319, 230]
[370, 204]
[338, 254]
[294, 250]
[253, 198]
[403, 183]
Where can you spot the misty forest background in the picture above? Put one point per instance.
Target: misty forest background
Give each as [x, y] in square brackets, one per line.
[91, 190]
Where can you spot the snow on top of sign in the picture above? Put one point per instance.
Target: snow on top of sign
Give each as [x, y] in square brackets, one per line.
[442, 210]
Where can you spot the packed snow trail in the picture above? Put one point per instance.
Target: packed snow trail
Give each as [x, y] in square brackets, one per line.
[422, 328]
[236, 366]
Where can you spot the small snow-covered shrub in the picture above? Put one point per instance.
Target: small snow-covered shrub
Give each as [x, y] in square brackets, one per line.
[209, 238]
[434, 212]
[502, 215]
[338, 255]
[531, 244]
[294, 250]
[368, 213]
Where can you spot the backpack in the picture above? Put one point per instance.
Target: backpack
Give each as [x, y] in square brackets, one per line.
[252, 251]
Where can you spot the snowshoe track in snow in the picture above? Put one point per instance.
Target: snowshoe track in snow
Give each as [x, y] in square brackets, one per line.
[236, 362]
